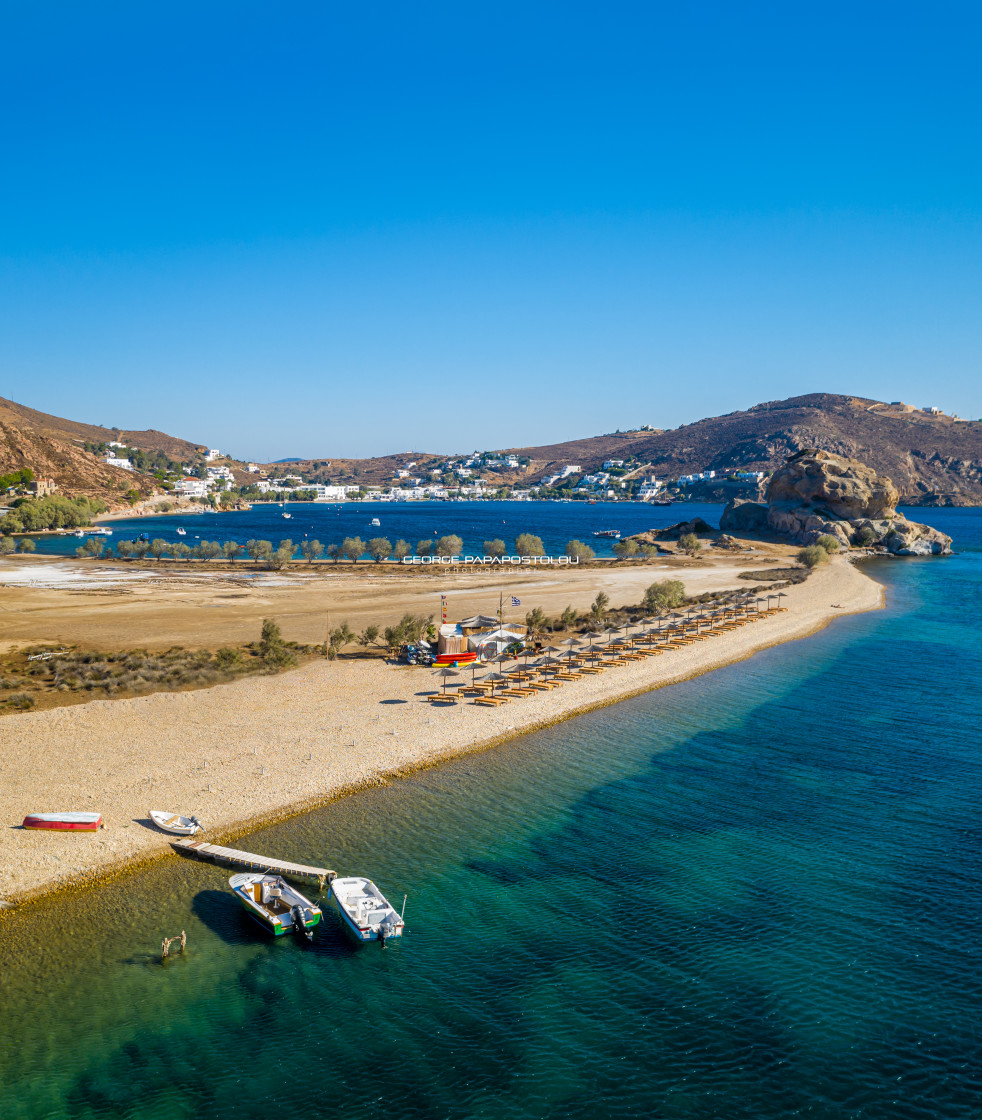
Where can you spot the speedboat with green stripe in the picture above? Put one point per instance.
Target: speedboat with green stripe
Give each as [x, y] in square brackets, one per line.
[274, 904]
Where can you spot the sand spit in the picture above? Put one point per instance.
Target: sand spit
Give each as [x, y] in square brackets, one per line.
[264, 747]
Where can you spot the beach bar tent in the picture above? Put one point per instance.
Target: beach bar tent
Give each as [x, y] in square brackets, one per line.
[451, 639]
[490, 644]
[478, 623]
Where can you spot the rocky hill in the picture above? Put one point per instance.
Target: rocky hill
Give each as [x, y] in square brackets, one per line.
[54, 448]
[931, 459]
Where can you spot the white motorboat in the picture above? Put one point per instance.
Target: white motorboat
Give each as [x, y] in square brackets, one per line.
[288, 515]
[182, 532]
[365, 910]
[174, 822]
[101, 532]
[375, 521]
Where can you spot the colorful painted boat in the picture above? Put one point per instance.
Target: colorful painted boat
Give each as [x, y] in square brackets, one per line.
[274, 904]
[365, 910]
[65, 822]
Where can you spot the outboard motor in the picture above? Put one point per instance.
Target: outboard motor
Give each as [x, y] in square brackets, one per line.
[198, 825]
[299, 916]
[383, 931]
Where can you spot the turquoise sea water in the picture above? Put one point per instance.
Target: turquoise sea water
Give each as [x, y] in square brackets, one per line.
[752, 896]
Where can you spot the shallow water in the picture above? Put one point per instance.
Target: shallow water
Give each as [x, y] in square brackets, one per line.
[753, 895]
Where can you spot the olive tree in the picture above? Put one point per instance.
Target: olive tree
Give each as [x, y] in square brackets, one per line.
[379, 548]
[311, 550]
[496, 547]
[627, 548]
[690, 543]
[353, 549]
[450, 545]
[577, 550]
[528, 545]
[664, 595]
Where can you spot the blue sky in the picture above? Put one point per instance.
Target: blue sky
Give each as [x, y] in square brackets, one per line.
[311, 230]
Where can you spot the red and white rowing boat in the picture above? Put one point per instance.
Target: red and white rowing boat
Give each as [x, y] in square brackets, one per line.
[65, 822]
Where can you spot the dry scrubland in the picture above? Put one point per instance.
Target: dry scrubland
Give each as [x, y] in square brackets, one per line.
[266, 746]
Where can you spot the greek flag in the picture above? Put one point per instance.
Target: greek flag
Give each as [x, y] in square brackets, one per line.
[515, 602]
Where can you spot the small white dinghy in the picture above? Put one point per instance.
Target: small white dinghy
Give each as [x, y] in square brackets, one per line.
[367, 913]
[174, 822]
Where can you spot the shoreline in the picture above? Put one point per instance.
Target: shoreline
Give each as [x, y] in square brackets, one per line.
[83, 746]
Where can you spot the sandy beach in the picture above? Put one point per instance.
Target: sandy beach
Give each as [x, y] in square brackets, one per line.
[265, 747]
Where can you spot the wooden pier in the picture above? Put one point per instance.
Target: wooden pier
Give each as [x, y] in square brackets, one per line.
[249, 861]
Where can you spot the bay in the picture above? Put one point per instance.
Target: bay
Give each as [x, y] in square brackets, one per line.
[474, 522]
[752, 895]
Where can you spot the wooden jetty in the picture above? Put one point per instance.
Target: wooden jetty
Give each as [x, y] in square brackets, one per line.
[249, 861]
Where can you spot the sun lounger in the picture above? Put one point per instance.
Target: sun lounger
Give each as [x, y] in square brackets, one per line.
[491, 701]
[444, 698]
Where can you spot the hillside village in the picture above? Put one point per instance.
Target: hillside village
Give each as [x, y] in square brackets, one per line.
[932, 457]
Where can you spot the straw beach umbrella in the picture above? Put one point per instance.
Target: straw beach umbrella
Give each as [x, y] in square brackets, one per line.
[494, 678]
[446, 674]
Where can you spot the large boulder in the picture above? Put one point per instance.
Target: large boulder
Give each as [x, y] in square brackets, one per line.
[841, 488]
[818, 494]
[743, 516]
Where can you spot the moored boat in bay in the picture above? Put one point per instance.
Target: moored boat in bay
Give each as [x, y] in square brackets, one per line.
[365, 910]
[274, 904]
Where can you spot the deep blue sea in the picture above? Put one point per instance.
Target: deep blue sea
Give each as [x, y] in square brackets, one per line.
[474, 522]
[751, 896]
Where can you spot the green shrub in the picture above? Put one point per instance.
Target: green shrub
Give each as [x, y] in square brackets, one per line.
[812, 556]
[828, 542]
[690, 543]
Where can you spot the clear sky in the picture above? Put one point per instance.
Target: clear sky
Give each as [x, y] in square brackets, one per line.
[315, 228]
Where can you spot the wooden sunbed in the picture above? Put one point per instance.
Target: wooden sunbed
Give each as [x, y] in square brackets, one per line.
[444, 698]
[491, 701]
[569, 676]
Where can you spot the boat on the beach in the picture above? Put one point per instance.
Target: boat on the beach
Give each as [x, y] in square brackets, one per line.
[463, 658]
[274, 904]
[64, 822]
[175, 823]
[365, 910]
[614, 533]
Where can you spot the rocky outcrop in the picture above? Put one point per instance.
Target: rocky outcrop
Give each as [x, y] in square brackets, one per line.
[841, 488]
[906, 538]
[818, 493]
[742, 516]
[673, 532]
